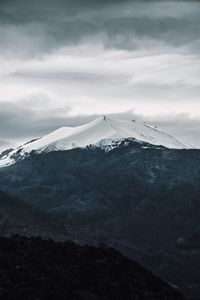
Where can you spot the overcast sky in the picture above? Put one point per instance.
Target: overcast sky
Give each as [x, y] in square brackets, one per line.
[64, 62]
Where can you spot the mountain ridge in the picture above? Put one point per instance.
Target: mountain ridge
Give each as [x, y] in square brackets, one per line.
[33, 268]
[103, 132]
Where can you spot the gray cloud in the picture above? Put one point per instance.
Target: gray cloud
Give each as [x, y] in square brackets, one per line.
[40, 27]
[34, 29]
[180, 125]
[27, 119]
[4, 144]
[129, 32]
[78, 77]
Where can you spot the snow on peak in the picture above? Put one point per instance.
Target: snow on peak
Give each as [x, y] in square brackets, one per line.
[100, 132]
[103, 128]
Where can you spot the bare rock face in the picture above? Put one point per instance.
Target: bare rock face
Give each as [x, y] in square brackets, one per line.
[32, 268]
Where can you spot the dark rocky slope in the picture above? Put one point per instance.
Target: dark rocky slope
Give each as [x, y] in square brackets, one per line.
[37, 269]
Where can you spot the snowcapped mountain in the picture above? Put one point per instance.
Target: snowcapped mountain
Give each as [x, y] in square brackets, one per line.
[103, 132]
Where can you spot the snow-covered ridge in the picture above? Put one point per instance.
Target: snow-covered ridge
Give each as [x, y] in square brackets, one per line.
[102, 132]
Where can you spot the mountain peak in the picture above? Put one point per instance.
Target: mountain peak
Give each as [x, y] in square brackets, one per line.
[103, 131]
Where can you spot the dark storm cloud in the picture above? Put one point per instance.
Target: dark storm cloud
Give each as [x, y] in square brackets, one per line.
[39, 27]
[124, 32]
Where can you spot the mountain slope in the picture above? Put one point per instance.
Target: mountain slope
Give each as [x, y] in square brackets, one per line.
[103, 129]
[103, 132]
[19, 217]
[37, 269]
[143, 200]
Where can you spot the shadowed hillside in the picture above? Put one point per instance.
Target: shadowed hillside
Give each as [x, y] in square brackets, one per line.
[141, 199]
[19, 217]
[38, 269]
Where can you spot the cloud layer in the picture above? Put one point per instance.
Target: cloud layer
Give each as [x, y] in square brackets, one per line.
[66, 62]
[40, 27]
